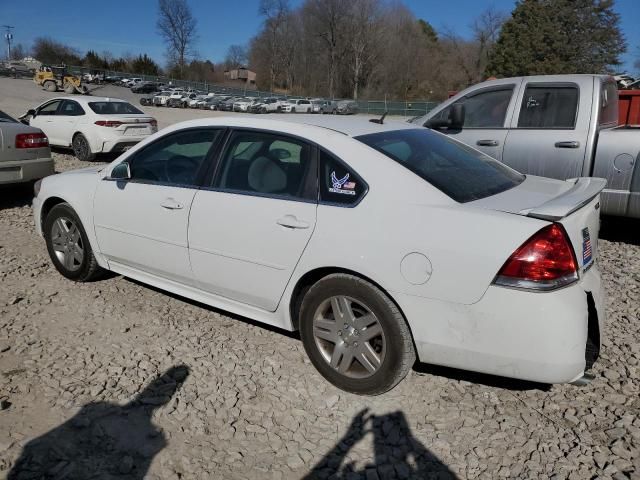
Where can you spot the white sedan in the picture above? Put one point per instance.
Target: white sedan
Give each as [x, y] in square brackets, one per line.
[380, 243]
[91, 125]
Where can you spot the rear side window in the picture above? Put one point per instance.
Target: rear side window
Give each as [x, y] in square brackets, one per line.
[462, 173]
[113, 108]
[546, 106]
[71, 108]
[609, 104]
[339, 184]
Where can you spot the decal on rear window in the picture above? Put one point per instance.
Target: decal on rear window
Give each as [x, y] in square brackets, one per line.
[341, 185]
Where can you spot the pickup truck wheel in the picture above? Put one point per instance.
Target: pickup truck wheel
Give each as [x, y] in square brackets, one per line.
[81, 148]
[355, 335]
[50, 86]
[68, 245]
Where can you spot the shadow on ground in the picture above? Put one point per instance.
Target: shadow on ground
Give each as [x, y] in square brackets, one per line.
[397, 453]
[103, 439]
[620, 229]
[15, 196]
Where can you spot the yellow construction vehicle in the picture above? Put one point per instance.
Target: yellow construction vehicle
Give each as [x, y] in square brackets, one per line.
[54, 79]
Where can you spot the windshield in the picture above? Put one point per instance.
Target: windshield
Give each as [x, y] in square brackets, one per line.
[113, 108]
[457, 170]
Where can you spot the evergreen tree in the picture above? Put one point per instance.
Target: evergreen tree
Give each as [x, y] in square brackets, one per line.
[558, 36]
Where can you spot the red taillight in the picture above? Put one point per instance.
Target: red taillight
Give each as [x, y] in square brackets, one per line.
[108, 123]
[31, 140]
[544, 262]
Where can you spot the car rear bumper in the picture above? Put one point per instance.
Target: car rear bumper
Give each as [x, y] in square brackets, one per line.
[25, 170]
[550, 337]
[122, 144]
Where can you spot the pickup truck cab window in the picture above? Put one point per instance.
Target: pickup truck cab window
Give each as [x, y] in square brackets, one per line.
[549, 106]
[485, 108]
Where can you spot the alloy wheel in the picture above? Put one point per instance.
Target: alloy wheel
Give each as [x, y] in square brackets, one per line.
[349, 337]
[67, 243]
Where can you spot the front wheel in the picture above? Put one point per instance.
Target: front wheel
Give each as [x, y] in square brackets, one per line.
[355, 335]
[81, 148]
[68, 245]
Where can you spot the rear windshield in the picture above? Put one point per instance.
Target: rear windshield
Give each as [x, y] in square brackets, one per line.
[460, 172]
[113, 108]
[6, 118]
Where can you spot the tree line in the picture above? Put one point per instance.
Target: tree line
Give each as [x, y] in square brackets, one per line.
[377, 48]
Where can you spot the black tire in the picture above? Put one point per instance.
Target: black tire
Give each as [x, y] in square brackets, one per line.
[50, 86]
[400, 353]
[81, 148]
[88, 269]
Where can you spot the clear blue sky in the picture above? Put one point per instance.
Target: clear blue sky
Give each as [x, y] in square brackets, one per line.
[123, 26]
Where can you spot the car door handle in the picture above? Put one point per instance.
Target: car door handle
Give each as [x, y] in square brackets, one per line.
[171, 204]
[290, 221]
[571, 144]
[488, 143]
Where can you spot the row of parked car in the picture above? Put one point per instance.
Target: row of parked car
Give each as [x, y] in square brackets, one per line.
[178, 98]
[175, 97]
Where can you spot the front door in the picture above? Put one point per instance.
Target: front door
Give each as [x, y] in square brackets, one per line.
[248, 230]
[69, 113]
[487, 113]
[548, 135]
[45, 119]
[142, 223]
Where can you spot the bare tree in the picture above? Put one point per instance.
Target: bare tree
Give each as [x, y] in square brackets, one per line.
[275, 15]
[237, 56]
[177, 26]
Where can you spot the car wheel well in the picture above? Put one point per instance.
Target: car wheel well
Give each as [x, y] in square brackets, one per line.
[312, 277]
[48, 204]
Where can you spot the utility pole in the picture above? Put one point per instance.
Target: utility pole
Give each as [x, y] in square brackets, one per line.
[8, 36]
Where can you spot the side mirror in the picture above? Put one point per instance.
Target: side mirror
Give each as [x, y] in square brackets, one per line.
[455, 121]
[456, 116]
[121, 171]
[31, 112]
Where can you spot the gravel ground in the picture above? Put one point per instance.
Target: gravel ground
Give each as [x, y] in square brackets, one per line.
[116, 379]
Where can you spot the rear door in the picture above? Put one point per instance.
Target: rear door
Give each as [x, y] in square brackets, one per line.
[248, 229]
[549, 131]
[488, 112]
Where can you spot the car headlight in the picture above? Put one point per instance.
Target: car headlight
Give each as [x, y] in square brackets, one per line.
[36, 188]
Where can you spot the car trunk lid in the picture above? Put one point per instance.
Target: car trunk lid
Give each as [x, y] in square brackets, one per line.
[133, 124]
[574, 203]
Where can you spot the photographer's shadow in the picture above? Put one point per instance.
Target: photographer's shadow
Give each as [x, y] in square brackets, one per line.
[103, 439]
[398, 454]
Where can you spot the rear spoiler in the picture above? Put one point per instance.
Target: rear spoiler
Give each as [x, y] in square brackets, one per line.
[584, 190]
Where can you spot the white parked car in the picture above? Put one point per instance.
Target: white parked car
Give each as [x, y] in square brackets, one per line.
[380, 243]
[161, 98]
[297, 105]
[244, 104]
[91, 125]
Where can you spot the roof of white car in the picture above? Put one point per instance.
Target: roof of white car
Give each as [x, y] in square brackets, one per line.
[352, 126]
[85, 99]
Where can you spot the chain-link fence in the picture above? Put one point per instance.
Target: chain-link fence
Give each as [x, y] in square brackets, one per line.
[412, 108]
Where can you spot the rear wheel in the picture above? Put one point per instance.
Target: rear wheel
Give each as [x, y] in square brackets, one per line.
[68, 245]
[81, 148]
[355, 335]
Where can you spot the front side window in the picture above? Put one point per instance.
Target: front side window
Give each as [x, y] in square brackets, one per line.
[339, 184]
[114, 108]
[484, 109]
[71, 108]
[545, 106]
[176, 159]
[50, 108]
[462, 173]
[265, 163]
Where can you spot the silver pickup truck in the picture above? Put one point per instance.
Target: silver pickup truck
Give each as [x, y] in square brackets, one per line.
[559, 126]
